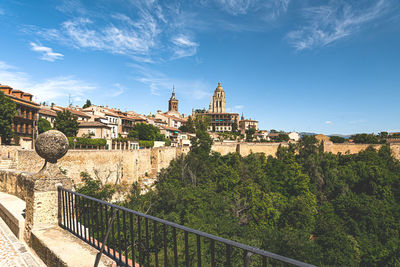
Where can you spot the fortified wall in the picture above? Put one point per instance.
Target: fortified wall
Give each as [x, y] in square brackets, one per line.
[269, 149]
[107, 165]
[132, 165]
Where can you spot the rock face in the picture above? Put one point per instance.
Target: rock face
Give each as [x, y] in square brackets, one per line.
[51, 145]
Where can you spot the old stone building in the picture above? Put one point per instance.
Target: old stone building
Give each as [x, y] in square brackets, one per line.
[25, 121]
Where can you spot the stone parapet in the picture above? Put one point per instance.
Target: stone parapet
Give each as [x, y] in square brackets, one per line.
[39, 194]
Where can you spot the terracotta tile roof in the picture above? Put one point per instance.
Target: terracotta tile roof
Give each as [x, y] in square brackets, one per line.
[170, 128]
[248, 120]
[73, 111]
[48, 112]
[93, 124]
[25, 102]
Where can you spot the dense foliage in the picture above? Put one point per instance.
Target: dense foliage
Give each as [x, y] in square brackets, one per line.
[147, 132]
[66, 123]
[80, 141]
[337, 139]
[43, 125]
[369, 138]
[87, 104]
[325, 209]
[7, 111]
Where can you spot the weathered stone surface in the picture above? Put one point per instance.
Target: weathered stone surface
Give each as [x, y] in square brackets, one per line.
[51, 145]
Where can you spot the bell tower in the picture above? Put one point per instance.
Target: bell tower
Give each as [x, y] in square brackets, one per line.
[173, 102]
[218, 100]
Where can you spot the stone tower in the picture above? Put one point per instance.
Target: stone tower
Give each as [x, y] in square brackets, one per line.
[173, 102]
[218, 100]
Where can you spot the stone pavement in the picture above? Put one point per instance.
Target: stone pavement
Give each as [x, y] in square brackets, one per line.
[13, 252]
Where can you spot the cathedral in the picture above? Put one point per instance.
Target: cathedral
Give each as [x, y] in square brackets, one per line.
[221, 121]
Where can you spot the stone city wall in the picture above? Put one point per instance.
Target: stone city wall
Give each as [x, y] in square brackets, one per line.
[107, 165]
[270, 148]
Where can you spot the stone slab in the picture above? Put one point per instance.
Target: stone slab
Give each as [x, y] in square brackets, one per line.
[57, 247]
[12, 211]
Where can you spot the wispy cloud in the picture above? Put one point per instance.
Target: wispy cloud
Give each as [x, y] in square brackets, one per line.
[46, 52]
[328, 122]
[159, 82]
[50, 89]
[337, 20]
[184, 46]
[119, 90]
[2, 12]
[270, 9]
[239, 107]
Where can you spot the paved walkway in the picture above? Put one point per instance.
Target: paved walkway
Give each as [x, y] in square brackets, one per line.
[14, 253]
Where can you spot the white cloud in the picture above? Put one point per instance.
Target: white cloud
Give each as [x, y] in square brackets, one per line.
[47, 52]
[328, 122]
[270, 9]
[51, 89]
[239, 107]
[119, 90]
[184, 46]
[335, 21]
[158, 82]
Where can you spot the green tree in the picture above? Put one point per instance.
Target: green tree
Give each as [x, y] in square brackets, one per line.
[282, 137]
[66, 123]
[249, 134]
[337, 139]
[189, 126]
[7, 111]
[43, 125]
[87, 104]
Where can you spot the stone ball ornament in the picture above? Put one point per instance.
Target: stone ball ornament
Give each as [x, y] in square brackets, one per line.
[51, 145]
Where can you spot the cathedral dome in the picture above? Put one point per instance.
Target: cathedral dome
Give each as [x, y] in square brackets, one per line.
[219, 87]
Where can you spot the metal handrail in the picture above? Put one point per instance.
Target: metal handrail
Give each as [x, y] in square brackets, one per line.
[246, 248]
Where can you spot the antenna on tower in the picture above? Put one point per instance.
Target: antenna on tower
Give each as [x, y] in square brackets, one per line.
[69, 99]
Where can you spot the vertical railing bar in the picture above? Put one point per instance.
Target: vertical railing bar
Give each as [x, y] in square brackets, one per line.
[175, 247]
[77, 212]
[102, 224]
[264, 261]
[96, 223]
[106, 217]
[119, 237]
[132, 239]
[228, 255]
[113, 235]
[125, 234]
[83, 224]
[86, 220]
[186, 249]
[155, 243]
[165, 245]
[212, 249]
[246, 258]
[63, 205]
[69, 211]
[198, 251]
[139, 241]
[91, 223]
[72, 212]
[147, 243]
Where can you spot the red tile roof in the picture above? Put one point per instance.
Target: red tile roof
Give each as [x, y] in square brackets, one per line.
[96, 124]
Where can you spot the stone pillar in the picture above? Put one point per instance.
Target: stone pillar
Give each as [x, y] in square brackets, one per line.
[42, 201]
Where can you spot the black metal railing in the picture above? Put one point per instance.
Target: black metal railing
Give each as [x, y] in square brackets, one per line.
[137, 239]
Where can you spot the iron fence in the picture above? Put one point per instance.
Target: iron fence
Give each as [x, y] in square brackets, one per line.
[137, 239]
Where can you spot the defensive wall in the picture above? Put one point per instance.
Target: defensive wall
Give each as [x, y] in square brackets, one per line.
[132, 165]
[107, 165]
[268, 149]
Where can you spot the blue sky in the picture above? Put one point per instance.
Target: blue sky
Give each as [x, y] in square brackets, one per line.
[319, 66]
